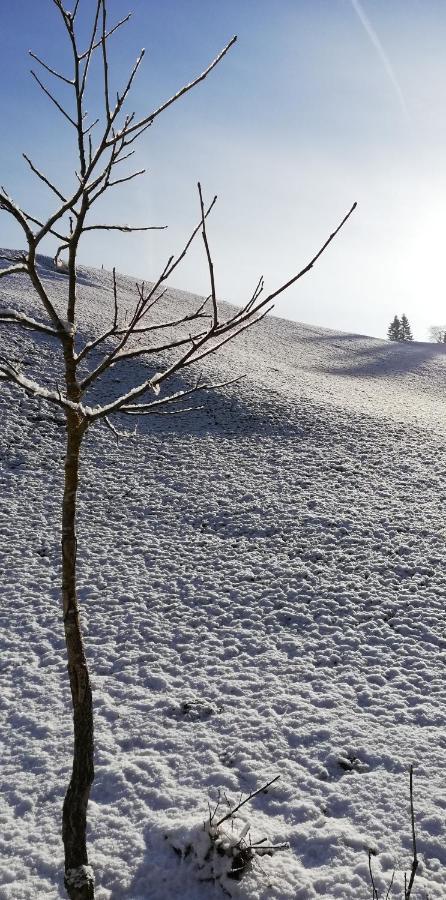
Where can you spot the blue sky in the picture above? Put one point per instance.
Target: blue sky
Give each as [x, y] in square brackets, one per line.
[320, 103]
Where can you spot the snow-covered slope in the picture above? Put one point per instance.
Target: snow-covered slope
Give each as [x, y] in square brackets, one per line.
[263, 587]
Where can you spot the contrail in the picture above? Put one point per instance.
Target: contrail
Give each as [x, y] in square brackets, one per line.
[375, 41]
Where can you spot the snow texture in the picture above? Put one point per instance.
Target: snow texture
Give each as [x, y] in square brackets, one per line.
[262, 584]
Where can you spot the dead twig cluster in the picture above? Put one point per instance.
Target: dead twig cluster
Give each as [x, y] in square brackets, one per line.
[230, 835]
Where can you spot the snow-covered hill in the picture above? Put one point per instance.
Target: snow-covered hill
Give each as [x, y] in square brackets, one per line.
[263, 584]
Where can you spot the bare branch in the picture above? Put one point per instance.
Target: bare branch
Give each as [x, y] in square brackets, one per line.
[147, 120]
[250, 310]
[119, 159]
[114, 331]
[8, 372]
[173, 263]
[13, 257]
[115, 300]
[144, 351]
[137, 134]
[390, 885]
[121, 137]
[62, 237]
[44, 178]
[375, 895]
[118, 354]
[147, 408]
[120, 100]
[8, 205]
[127, 177]
[89, 52]
[59, 263]
[91, 345]
[11, 270]
[187, 318]
[118, 434]
[10, 316]
[90, 127]
[59, 325]
[251, 320]
[209, 259]
[414, 868]
[177, 412]
[53, 99]
[115, 405]
[50, 70]
[152, 383]
[310, 265]
[126, 228]
[108, 34]
[146, 305]
[105, 61]
[250, 796]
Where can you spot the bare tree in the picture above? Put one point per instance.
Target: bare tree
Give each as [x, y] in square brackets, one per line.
[437, 334]
[99, 170]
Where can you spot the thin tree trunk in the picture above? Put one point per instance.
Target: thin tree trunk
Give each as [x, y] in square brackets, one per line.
[79, 881]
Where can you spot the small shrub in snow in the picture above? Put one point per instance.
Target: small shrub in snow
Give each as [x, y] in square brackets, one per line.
[222, 846]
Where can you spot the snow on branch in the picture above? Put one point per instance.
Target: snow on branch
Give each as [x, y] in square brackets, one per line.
[12, 270]
[11, 316]
[146, 408]
[7, 204]
[8, 372]
[126, 228]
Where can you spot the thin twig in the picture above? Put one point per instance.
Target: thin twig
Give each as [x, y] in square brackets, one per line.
[12, 270]
[375, 895]
[125, 228]
[209, 259]
[414, 868]
[105, 61]
[145, 408]
[147, 120]
[50, 70]
[44, 178]
[53, 99]
[11, 317]
[109, 33]
[88, 54]
[390, 885]
[250, 796]
[310, 265]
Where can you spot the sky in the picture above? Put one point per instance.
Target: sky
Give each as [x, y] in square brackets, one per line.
[320, 103]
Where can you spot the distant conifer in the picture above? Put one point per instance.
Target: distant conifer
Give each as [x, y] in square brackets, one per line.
[394, 330]
[405, 330]
[399, 329]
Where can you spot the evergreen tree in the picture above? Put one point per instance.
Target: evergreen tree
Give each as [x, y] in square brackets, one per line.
[405, 330]
[394, 330]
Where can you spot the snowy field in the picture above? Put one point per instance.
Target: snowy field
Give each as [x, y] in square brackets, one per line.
[263, 585]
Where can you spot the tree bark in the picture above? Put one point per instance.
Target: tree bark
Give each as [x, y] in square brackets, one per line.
[79, 879]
